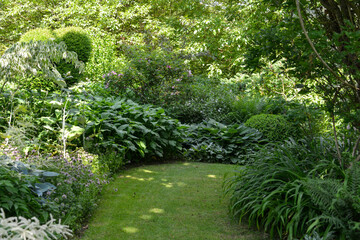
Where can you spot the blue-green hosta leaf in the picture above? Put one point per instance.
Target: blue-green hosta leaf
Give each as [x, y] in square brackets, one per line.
[41, 188]
[50, 174]
[37, 172]
[81, 119]
[20, 167]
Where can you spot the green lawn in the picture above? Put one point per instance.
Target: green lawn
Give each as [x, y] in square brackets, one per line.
[169, 201]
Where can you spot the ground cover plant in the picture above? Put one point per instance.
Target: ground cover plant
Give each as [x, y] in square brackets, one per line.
[169, 201]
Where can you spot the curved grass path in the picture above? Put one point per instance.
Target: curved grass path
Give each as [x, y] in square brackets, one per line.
[169, 201]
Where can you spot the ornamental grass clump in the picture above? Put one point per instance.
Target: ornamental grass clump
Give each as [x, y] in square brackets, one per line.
[298, 188]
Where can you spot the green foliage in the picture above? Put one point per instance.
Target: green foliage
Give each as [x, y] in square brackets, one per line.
[77, 190]
[201, 99]
[39, 82]
[111, 161]
[104, 57]
[27, 59]
[150, 76]
[78, 41]
[212, 141]
[274, 127]
[339, 201]
[301, 182]
[336, 76]
[16, 196]
[142, 131]
[38, 34]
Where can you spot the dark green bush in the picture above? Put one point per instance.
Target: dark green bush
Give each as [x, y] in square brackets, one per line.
[211, 141]
[76, 40]
[274, 127]
[38, 34]
[151, 76]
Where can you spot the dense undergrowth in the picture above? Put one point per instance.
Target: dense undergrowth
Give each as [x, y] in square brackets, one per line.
[159, 86]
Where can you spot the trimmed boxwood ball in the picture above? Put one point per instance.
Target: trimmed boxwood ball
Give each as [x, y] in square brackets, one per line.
[274, 127]
[38, 34]
[76, 40]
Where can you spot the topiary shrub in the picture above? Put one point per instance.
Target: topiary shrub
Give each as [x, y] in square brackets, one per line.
[76, 40]
[38, 34]
[274, 127]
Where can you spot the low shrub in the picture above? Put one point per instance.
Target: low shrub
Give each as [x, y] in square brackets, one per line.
[274, 127]
[212, 141]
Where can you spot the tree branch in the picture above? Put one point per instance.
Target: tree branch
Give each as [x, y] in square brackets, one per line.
[316, 52]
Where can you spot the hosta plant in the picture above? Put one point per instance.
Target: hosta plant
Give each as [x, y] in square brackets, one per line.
[212, 141]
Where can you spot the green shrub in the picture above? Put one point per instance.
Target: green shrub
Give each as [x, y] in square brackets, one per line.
[76, 40]
[150, 76]
[212, 141]
[274, 127]
[38, 34]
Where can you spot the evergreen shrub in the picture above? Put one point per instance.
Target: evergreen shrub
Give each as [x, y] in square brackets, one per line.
[274, 127]
[76, 40]
[38, 34]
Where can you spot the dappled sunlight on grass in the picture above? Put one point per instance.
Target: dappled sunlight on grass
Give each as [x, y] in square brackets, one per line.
[171, 201]
[181, 184]
[130, 229]
[168, 185]
[138, 178]
[146, 217]
[157, 210]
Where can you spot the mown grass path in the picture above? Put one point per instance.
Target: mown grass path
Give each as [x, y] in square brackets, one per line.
[169, 201]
